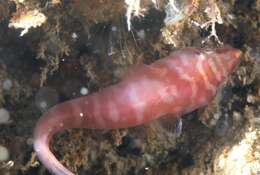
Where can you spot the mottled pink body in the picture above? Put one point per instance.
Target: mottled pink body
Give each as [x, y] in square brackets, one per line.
[177, 84]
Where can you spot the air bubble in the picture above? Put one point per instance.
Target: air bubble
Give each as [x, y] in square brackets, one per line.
[84, 91]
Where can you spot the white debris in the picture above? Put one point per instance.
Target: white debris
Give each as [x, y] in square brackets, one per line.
[27, 19]
[4, 116]
[4, 154]
[173, 13]
[7, 165]
[133, 9]
[74, 36]
[156, 3]
[173, 5]
[214, 15]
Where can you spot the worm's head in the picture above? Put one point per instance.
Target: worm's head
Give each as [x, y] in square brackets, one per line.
[221, 62]
[228, 58]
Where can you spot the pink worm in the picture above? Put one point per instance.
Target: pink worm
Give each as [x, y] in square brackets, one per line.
[185, 80]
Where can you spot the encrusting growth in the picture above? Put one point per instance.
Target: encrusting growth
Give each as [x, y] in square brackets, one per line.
[185, 80]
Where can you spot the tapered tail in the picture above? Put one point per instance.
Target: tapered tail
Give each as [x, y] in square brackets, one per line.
[48, 159]
[44, 131]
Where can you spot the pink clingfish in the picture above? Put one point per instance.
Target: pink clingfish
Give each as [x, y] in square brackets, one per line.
[185, 80]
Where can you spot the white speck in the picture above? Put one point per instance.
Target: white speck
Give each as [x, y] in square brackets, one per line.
[7, 84]
[61, 124]
[29, 141]
[81, 114]
[231, 16]
[141, 34]
[111, 51]
[4, 153]
[45, 98]
[216, 116]
[213, 122]
[74, 35]
[250, 98]
[4, 116]
[114, 28]
[43, 104]
[237, 116]
[62, 60]
[84, 91]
